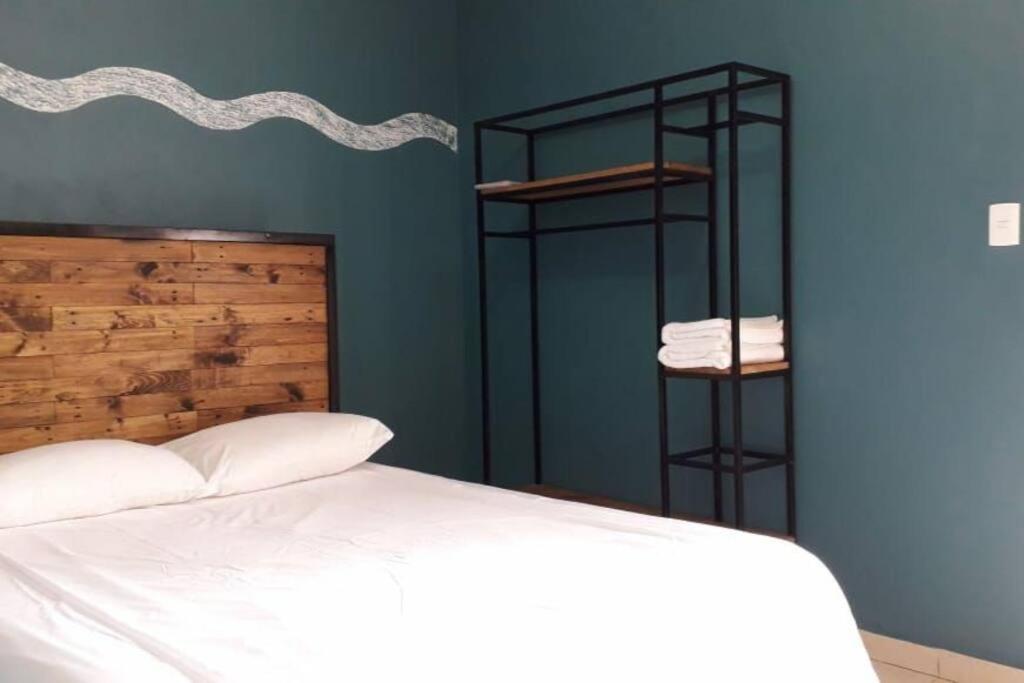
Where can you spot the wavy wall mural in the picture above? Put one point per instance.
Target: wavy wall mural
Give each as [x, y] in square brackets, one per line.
[66, 94]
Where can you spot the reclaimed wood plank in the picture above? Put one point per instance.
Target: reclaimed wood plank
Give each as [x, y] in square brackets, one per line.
[25, 319]
[274, 314]
[47, 248]
[257, 335]
[24, 271]
[261, 355]
[259, 273]
[110, 407]
[27, 415]
[266, 374]
[88, 364]
[259, 394]
[258, 294]
[188, 272]
[246, 252]
[48, 294]
[217, 416]
[112, 384]
[13, 369]
[63, 342]
[78, 272]
[146, 426]
[135, 317]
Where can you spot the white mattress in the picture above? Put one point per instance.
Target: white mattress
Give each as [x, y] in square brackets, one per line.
[385, 574]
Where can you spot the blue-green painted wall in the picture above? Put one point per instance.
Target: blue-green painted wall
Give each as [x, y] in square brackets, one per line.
[394, 213]
[908, 327]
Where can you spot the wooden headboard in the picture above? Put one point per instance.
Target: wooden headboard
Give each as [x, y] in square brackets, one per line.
[148, 334]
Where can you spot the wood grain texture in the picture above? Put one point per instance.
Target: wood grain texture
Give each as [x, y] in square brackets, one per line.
[218, 416]
[152, 271]
[243, 252]
[174, 424]
[198, 315]
[25, 319]
[257, 294]
[266, 374]
[26, 368]
[94, 341]
[257, 335]
[27, 414]
[72, 388]
[47, 294]
[24, 271]
[93, 364]
[261, 355]
[152, 339]
[45, 248]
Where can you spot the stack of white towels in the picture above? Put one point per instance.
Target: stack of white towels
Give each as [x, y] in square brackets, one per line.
[708, 343]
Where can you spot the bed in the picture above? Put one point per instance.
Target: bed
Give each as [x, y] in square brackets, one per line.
[376, 573]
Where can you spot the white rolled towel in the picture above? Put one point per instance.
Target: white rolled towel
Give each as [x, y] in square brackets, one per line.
[766, 330]
[711, 339]
[672, 356]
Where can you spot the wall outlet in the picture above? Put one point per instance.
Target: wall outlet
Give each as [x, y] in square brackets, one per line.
[1003, 225]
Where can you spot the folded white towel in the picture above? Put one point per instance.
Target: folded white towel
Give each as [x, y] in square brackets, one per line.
[769, 322]
[748, 335]
[674, 357]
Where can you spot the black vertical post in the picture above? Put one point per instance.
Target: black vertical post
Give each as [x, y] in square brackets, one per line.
[531, 170]
[481, 264]
[712, 213]
[659, 293]
[736, 380]
[787, 311]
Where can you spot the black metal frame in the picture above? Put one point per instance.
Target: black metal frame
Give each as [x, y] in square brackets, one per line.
[758, 79]
[130, 232]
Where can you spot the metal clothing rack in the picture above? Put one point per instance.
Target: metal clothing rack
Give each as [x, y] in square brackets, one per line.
[655, 176]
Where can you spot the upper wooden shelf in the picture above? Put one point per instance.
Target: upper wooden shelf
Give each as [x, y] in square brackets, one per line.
[750, 370]
[606, 180]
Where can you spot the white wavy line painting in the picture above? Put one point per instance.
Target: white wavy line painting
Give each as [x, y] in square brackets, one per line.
[66, 94]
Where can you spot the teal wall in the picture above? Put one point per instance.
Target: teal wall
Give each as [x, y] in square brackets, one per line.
[394, 212]
[907, 326]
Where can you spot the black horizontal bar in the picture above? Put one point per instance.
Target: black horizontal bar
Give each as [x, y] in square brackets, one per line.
[503, 197]
[695, 453]
[695, 373]
[507, 233]
[506, 129]
[682, 460]
[608, 94]
[763, 465]
[763, 455]
[647, 106]
[754, 117]
[695, 131]
[132, 232]
[582, 227]
[697, 465]
[758, 71]
[684, 217]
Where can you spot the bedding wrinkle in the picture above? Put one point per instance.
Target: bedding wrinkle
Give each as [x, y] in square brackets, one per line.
[77, 609]
[383, 574]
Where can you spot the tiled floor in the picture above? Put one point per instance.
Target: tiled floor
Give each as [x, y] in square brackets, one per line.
[887, 673]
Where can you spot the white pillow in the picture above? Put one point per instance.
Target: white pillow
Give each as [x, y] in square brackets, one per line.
[263, 452]
[86, 478]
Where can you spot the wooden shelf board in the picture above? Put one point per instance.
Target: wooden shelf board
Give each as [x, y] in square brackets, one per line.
[749, 370]
[559, 493]
[614, 179]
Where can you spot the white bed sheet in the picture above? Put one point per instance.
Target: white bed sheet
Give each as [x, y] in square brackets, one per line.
[382, 574]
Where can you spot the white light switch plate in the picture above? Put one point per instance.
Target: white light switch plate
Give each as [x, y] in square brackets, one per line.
[1003, 225]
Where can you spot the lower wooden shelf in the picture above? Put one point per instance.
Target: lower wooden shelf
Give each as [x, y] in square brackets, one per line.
[601, 501]
[749, 371]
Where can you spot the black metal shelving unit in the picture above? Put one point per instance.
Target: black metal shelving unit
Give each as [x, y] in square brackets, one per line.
[655, 176]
